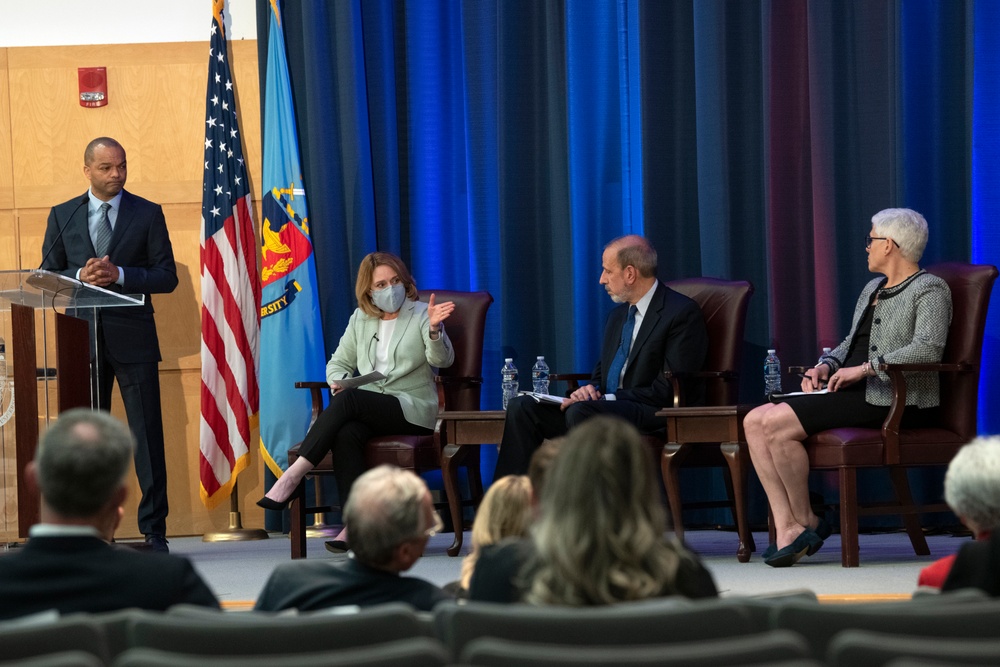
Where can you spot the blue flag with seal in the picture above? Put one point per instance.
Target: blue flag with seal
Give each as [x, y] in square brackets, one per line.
[291, 330]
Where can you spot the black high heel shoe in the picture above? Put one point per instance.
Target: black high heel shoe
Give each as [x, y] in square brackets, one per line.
[277, 506]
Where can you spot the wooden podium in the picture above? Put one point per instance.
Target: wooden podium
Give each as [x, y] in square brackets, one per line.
[35, 305]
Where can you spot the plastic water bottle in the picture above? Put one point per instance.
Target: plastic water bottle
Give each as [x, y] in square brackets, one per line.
[509, 381]
[772, 374]
[540, 376]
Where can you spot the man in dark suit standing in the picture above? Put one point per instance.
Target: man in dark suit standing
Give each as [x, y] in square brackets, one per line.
[113, 239]
[68, 564]
[655, 329]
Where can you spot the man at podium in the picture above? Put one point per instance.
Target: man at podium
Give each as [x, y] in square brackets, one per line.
[113, 239]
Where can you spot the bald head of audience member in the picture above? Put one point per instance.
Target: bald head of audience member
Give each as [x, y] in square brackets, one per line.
[80, 468]
[390, 518]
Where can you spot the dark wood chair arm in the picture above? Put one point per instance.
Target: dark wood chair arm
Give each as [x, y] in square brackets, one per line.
[905, 368]
[316, 393]
[454, 379]
[571, 379]
[798, 369]
[442, 380]
[891, 425]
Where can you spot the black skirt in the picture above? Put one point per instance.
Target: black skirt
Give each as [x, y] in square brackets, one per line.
[848, 408]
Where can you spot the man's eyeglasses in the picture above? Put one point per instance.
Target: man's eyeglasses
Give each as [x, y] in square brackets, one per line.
[436, 528]
[869, 238]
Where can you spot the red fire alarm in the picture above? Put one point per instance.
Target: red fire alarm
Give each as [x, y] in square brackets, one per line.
[93, 86]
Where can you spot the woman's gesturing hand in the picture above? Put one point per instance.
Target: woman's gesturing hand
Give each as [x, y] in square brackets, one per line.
[439, 312]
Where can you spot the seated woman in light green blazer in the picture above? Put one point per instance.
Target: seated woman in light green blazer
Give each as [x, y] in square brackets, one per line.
[392, 333]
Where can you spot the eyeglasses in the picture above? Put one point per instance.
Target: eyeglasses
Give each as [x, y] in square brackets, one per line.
[436, 528]
[869, 238]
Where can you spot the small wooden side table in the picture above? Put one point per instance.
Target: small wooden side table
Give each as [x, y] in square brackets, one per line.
[712, 426]
[461, 430]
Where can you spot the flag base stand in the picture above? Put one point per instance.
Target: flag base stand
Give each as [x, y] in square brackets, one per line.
[323, 530]
[236, 532]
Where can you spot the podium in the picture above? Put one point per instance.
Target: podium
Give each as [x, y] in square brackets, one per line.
[49, 322]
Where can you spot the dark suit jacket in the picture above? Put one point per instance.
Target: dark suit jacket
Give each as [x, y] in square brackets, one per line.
[977, 566]
[86, 574]
[672, 337]
[140, 246]
[319, 584]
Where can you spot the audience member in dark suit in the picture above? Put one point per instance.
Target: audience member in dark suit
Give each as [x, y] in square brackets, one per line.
[390, 518]
[654, 330]
[113, 239]
[972, 489]
[977, 566]
[68, 564]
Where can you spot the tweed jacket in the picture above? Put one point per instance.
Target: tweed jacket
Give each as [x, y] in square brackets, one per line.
[412, 353]
[909, 325]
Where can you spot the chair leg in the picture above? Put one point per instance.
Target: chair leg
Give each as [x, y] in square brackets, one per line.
[451, 458]
[673, 455]
[297, 530]
[901, 484]
[849, 549]
[736, 456]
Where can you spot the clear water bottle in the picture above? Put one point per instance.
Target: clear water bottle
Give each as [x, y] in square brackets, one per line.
[540, 376]
[509, 381]
[772, 374]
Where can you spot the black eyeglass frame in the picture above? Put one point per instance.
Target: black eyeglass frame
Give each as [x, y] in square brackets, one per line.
[869, 238]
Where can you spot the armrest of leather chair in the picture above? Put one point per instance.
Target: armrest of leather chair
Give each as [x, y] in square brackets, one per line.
[316, 393]
[677, 378]
[890, 427]
[572, 380]
[442, 380]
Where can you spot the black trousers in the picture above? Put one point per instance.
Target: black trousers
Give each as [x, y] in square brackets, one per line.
[354, 417]
[139, 384]
[528, 423]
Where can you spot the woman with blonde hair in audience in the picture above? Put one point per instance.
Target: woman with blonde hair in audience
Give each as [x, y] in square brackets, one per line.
[600, 538]
[506, 511]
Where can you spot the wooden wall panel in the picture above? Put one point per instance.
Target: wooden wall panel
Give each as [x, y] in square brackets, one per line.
[156, 109]
[6, 165]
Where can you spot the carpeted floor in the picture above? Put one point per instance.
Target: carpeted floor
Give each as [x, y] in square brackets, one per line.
[236, 571]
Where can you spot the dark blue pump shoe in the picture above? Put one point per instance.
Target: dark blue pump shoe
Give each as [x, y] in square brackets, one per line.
[807, 543]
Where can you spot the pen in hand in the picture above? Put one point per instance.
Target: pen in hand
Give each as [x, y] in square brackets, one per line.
[818, 385]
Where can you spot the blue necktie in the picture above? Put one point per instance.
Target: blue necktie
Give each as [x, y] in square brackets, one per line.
[102, 235]
[621, 356]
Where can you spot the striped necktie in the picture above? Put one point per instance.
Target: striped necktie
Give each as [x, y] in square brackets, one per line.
[102, 235]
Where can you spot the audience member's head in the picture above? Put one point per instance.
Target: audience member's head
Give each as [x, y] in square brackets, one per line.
[390, 517]
[600, 536]
[972, 485]
[541, 464]
[506, 511]
[80, 468]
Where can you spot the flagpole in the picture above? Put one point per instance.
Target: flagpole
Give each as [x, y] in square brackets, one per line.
[236, 532]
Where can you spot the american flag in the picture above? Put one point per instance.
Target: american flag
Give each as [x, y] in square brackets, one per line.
[230, 287]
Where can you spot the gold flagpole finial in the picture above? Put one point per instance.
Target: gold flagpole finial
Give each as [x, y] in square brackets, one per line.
[217, 7]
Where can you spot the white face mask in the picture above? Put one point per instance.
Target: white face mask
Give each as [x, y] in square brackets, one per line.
[389, 299]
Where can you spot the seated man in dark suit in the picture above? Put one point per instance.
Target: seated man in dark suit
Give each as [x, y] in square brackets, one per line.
[68, 564]
[390, 518]
[654, 330]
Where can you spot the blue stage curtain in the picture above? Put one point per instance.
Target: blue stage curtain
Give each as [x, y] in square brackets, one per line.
[499, 144]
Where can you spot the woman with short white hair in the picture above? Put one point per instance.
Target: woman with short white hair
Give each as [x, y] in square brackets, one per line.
[901, 317]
